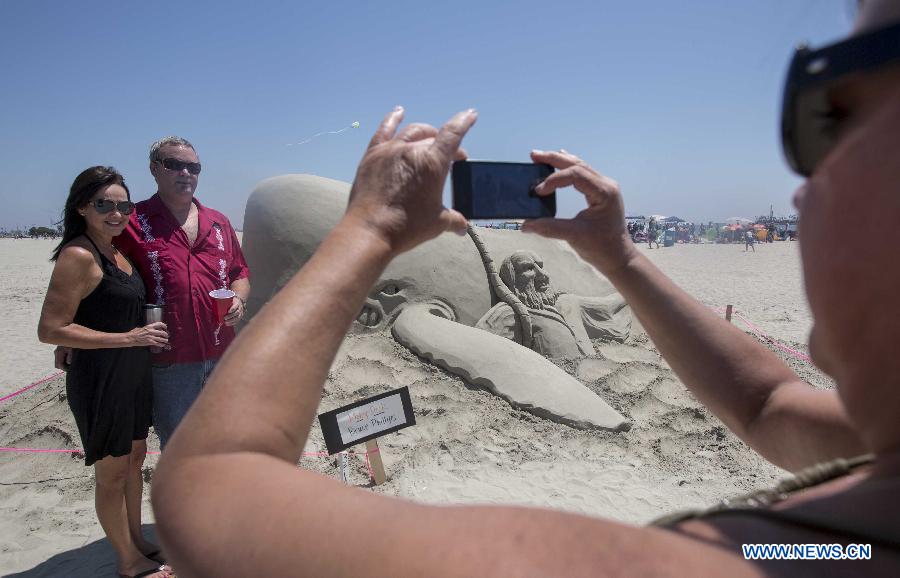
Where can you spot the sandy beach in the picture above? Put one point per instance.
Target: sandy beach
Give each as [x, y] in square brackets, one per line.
[468, 446]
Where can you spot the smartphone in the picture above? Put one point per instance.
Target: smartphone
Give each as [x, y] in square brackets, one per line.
[498, 190]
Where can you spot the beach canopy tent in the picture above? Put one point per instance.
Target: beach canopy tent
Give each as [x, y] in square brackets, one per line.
[738, 221]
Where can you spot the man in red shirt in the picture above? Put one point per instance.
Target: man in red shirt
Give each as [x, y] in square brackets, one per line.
[183, 251]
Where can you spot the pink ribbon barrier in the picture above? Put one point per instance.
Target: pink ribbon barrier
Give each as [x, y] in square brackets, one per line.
[46, 451]
[26, 388]
[69, 451]
[762, 335]
[73, 451]
[780, 346]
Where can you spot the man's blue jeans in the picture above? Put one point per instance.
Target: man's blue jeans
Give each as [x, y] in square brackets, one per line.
[175, 387]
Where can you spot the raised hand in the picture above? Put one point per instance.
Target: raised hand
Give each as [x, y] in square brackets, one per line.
[598, 232]
[399, 182]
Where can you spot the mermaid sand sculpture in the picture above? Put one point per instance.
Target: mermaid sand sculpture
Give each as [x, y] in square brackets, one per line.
[446, 302]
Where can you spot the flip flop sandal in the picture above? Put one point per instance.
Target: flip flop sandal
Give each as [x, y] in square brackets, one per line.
[155, 556]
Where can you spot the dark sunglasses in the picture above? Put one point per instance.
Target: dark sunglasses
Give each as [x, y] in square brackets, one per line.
[808, 119]
[177, 165]
[104, 206]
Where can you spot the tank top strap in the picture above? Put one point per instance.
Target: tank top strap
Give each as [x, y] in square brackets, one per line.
[107, 264]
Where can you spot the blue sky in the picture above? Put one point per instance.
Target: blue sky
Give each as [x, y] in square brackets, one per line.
[678, 101]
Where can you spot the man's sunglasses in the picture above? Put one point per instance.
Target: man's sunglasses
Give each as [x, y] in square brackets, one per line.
[104, 206]
[807, 116]
[178, 166]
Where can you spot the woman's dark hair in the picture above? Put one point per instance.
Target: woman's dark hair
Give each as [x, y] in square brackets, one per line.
[85, 186]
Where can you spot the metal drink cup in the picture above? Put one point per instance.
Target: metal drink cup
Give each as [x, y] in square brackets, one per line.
[153, 313]
[223, 298]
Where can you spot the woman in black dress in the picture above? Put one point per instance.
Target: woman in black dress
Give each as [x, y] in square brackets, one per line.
[94, 305]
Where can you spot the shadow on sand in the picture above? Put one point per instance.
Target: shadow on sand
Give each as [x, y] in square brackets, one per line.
[94, 560]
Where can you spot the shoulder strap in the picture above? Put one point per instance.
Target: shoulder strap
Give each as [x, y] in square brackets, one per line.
[757, 504]
[103, 259]
[860, 533]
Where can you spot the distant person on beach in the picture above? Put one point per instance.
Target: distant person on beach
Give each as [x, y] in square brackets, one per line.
[235, 455]
[749, 241]
[94, 305]
[183, 250]
[652, 234]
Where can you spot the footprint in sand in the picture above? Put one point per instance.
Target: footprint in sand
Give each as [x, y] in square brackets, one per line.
[633, 378]
[626, 353]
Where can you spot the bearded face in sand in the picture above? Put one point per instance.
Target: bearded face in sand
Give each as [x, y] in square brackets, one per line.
[523, 272]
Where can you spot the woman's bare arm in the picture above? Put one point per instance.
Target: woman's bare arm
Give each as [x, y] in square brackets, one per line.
[747, 386]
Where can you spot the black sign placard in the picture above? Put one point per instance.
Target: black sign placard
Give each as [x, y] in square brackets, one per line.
[367, 419]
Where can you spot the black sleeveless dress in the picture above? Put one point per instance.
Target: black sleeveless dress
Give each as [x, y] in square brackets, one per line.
[110, 390]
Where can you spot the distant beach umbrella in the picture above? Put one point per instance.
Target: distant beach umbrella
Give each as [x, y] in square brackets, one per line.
[738, 220]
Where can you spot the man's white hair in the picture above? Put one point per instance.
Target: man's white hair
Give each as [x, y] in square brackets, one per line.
[168, 141]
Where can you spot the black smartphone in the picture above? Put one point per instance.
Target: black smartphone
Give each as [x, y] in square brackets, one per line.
[498, 190]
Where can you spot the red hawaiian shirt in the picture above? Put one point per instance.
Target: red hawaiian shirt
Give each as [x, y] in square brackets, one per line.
[180, 276]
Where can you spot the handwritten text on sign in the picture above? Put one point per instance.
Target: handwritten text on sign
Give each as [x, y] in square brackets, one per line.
[367, 419]
[372, 418]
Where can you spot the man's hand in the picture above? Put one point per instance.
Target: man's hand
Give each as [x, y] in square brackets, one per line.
[235, 312]
[62, 357]
[398, 185]
[597, 233]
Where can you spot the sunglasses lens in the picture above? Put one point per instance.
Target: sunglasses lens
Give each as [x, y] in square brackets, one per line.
[178, 166]
[104, 206]
[813, 129]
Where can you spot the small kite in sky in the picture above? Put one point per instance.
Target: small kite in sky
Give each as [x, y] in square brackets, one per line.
[355, 124]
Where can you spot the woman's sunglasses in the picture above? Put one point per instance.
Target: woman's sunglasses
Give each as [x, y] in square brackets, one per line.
[104, 206]
[807, 115]
[178, 166]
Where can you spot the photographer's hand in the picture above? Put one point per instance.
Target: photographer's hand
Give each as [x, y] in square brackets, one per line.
[397, 190]
[598, 232]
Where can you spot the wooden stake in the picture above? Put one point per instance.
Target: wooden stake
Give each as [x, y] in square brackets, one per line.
[344, 466]
[375, 461]
[728, 313]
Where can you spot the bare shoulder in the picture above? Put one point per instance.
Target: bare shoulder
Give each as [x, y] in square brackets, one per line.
[805, 426]
[77, 264]
[77, 252]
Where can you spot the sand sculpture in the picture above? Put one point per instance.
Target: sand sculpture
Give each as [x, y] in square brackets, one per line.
[557, 325]
[445, 301]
